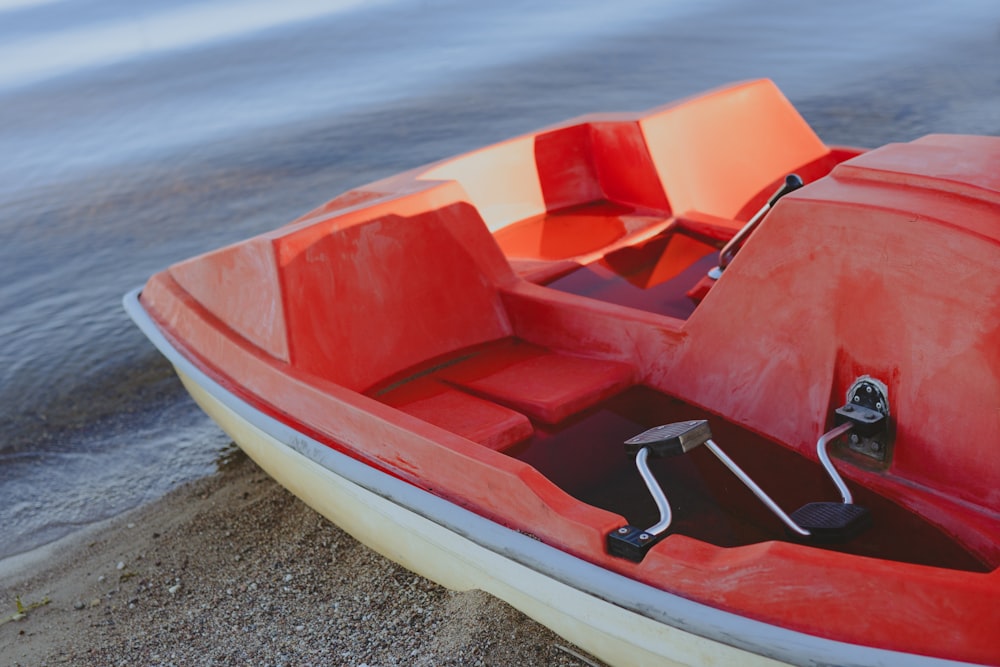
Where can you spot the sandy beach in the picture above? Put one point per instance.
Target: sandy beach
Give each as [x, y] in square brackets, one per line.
[234, 570]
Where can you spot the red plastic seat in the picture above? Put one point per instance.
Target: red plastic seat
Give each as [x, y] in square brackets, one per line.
[482, 421]
[548, 386]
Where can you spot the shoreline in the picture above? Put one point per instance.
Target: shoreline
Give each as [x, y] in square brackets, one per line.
[233, 569]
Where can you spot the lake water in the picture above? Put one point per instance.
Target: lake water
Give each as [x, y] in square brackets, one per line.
[133, 135]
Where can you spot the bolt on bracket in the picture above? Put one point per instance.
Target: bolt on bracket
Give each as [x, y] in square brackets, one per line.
[868, 408]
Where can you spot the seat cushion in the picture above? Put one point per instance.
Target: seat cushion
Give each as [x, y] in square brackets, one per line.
[477, 419]
[547, 386]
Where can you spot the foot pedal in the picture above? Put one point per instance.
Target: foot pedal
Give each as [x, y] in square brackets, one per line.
[832, 522]
[632, 542]
[671, 439]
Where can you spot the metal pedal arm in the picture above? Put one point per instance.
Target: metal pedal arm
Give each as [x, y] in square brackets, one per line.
[757, 491]
[824, 458]
[660, 498]
[792, 182]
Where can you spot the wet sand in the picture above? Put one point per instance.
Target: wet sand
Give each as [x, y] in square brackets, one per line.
[234, 570]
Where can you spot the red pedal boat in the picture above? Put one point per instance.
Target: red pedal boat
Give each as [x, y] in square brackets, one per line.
[630, 375]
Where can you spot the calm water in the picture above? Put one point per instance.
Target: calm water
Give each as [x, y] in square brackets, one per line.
[133, 135]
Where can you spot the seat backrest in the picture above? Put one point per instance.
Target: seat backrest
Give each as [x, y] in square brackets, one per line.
[588, 159]
[369, 299]
[715, 153]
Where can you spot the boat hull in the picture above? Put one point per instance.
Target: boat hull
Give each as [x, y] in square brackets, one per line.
[471, 341]
[616, 619]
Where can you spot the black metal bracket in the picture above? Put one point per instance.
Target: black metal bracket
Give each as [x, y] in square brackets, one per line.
[867, 408]
[631, 542]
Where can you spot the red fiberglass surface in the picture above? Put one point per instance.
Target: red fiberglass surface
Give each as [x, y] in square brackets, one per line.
[501, 370]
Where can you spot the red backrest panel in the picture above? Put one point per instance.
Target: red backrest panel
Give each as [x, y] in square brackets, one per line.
[716, 152]
[370, 299]
[624, 166]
